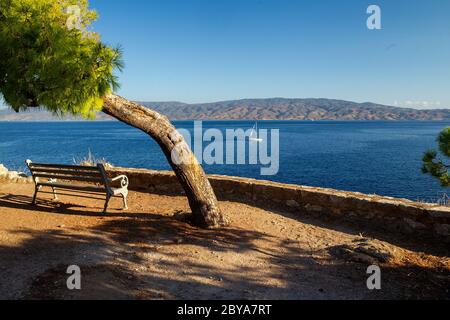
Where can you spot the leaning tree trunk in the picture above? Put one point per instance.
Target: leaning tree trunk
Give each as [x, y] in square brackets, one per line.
[202, 200]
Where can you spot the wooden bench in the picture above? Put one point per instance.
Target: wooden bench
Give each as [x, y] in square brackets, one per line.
[93, 180]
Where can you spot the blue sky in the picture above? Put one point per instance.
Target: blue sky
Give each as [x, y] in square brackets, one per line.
[211, 50]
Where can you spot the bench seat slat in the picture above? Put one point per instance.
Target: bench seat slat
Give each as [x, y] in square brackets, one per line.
[73, 187]
[74, 178]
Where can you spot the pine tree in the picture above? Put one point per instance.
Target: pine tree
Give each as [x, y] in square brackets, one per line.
[433, 163]
[51, 58]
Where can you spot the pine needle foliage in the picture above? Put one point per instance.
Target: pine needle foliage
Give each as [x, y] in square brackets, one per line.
[433, 163]
[45, 63]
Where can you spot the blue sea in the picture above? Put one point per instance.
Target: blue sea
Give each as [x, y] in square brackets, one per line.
[373, 157]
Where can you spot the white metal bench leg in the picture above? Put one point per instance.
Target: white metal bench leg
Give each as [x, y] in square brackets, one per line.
[55, 195]
[125, 204]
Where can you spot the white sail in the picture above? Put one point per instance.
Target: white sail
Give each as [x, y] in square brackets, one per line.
[254, 134]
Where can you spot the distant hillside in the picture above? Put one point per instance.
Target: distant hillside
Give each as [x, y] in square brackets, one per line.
[295, 109]
[267, 109]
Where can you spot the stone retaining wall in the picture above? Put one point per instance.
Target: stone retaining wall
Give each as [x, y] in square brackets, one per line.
[396, 215]
[390, 214]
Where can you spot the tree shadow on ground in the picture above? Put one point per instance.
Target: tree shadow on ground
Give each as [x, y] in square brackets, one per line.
[424, 243]
[293, 275]
[55, 207]
[180, 261]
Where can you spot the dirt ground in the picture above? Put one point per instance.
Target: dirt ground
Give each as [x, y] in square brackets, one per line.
[152, 252]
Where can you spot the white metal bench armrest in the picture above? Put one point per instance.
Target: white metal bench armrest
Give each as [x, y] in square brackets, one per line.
[123, 181]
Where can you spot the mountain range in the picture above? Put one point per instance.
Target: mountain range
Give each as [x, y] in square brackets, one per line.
[262, 109]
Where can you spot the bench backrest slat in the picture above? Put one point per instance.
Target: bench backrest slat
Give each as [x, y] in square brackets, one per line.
[78, 173]
[62, 166]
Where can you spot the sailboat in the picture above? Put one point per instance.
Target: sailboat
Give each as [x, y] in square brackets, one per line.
[254, 134]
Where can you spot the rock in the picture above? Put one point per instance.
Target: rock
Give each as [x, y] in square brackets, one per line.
[3, 169]
[178, 240]
[364, 251]
[292, 204]
[313, 208]
[370, 216]
[440, 214]
[351, 255]
[378, 252]
[335, 211]
[14, 176]
[442, 229]
[414, 224]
